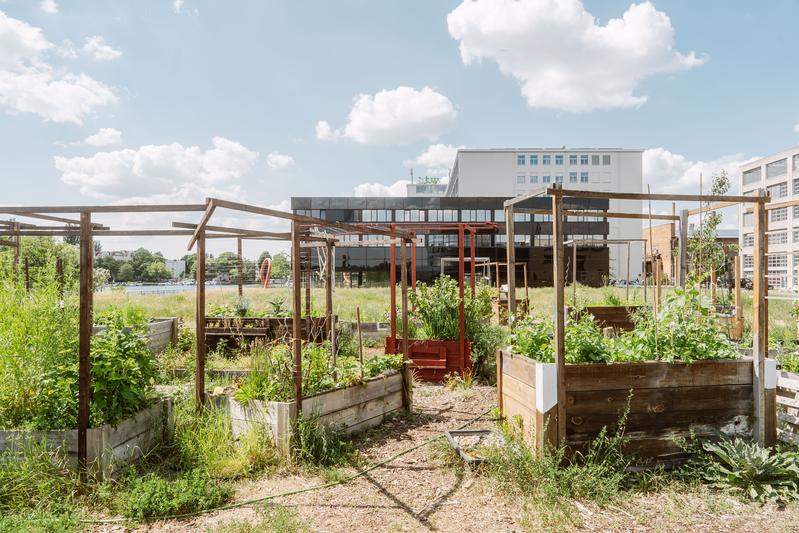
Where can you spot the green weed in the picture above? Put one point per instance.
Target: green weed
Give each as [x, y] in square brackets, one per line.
[152, 496]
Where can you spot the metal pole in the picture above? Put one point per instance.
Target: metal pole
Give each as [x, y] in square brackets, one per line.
[511, 260]
[240, 263]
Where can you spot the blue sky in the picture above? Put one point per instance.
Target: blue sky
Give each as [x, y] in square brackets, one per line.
[259, 76]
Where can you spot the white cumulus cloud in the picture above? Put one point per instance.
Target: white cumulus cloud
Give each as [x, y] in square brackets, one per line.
[48, 6]
[796, 128]
[29, 84]
[278, 161]
[104, 137]
[396, 116]
[667, 172]
[562, 57]
[160, 173]
[100, 50]
[436, 160]
[177, 5]
[398, 188]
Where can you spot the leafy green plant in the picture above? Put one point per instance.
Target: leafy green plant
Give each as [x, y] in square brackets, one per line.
[531, 336]
[152, 496]
[584, 342]
[316, 443]
[684, 329]
[745, 469]
[789, 362]
[463, 380]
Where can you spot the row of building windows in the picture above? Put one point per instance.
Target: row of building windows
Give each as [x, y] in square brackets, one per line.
[447, 215]
[546, 159]
[774, 169]
[546, 178]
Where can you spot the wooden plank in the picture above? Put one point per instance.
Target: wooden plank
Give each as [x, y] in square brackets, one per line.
[514, 409]
[660, 400]
[519, 391]
[391, 404]
[711, 207]
[525, 196]
[199, 318]
[787, 436]
[143, 208]
[788, 402]
[572, 193]
[519, 367]
[649, 375]
[357, 414]
[647, 424]
[296, 304]
[788, 383]
[336, 400]
[759, 319]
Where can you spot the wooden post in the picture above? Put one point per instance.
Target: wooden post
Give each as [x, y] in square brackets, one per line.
[683, 247]
[199, 330]
[240, 266]
[739, 319]
[526, 285]
[18, 247]
[296, 300]
[360, 338]
[308, 276]
[658, 273]
[329, 300]
[413, 265]
[499, 293]
[511, 255]
[462, 309]
[560, 318]
[759, 319]
[85, 336]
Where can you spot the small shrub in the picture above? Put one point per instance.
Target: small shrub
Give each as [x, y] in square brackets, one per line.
[464, 380]
[152, 496]
[531, 336]
[747, 470]
[789, 362]
[318, 444]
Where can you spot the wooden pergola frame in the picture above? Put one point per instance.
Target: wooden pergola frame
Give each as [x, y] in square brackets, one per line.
[760, 287]
[87, 230]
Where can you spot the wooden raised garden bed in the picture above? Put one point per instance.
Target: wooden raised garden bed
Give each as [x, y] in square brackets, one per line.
[234, 330]
[108, 448]
[788, 407]
[709, 398]
[618, 317]
[161, 332]
[431, 360]
[354, 408]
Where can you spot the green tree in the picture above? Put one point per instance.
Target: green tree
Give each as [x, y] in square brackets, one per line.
[281, 265]
[41, 254]
[110, 264]
[125, 272]
[156, 271]
[705, 252]
[141, 258]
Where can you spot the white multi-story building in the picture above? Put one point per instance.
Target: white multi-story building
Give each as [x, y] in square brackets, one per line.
[513, 171]
[779, 175]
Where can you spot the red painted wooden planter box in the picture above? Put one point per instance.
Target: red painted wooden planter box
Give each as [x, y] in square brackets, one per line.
[433, 359]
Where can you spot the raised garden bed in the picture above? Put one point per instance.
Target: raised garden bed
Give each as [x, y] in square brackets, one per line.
[234, 330]
[161, 332]
[353, 408]
[618, 317]
[707, 398]
[788, 407]
[108, 448]
[431, 359]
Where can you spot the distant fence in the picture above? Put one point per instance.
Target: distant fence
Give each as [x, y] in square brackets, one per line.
[788, 407]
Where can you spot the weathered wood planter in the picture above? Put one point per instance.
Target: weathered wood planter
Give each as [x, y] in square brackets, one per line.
[161, 332]
[108, 448]
[708, 398]
[354, 408]
[788, 407]
[618, 317]
[431, 360]
[235, 330]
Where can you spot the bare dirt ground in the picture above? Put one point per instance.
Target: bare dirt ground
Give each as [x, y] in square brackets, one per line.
[420, 492]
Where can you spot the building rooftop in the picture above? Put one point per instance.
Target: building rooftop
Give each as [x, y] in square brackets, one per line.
[551, 149]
